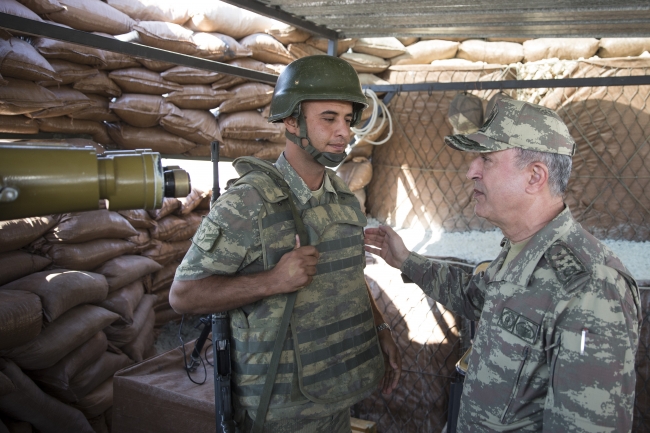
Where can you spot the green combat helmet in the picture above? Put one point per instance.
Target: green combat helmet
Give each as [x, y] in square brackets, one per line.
[316, 78]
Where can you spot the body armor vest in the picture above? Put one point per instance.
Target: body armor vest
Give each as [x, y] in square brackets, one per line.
[331, 353]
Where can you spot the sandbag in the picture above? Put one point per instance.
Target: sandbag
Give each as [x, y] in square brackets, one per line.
[141, 80]
[366, 62]
[233, 148]
[425, 52]
[502, 53]
[119, 335]
[42, 6]
[18, 125]
[374, 135]
[202, 150]
[12, 7]
[139, 218]
[99, 424]
[198, 97]
[217, 16]
[142, 111]
[167, 36]
[155, 138]
[71, 101]
[216, 46]
[92, 16]
[162, 298]
[356, 174]
[126, 269]
[22, 96]
[19, 233]
[167, 227]
[67, 125]
[169, 11]
[6, 386]
[301, 50]
[561, 48]
[29, 403]
[56, 379]
[98, 83]
[53, 49]
[266, 48]
[343, 45]
[187, 75]
[78, 227]
[137, 348]
[61, 290]
[59, 338]
[287, 34]
[205, 202]
[97, 401]
[98, 110]
[116, 60]
[67, 72]
[93, 376]
[189, 203]
[198, 126]
[155, 65]
[249, 125]
[124, 301]
[141, 241]
[408, 40]
[17, 264]
[164, 277]
[247, 96]
[192, 223]
[166, 252]
[170, 204]
[229, 81]
[362, 149]
[21, 318]
[386, 47]
[18, 59]
[622, 47]
[88, 255]
[165, 316]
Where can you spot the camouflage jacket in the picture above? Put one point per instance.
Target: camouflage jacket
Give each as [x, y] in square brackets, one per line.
[557, 336]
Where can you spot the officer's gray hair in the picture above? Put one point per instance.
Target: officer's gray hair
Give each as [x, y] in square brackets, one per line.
[559, 167]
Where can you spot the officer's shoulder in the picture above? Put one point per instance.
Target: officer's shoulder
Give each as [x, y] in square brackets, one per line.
[264, 183]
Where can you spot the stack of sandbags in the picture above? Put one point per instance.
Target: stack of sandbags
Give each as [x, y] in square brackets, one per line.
[357, 173]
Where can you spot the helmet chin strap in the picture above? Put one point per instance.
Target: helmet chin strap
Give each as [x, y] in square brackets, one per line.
[328, 159]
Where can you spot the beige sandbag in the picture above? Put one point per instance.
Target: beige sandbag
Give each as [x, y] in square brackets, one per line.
[356, 174]
[97, 401]
[187, 75]
[21, 318]
[88, 255]
[141, 80]
[234, 148]
[18, 233]
[247, 96]
[205, 203]
[466, 113]
[18, 59]
[126, 269]
[61, 290]
[124, 301]
[450, 64]
[142, 111]
[301, 50]
[156, 139]
[360, 194]
[137, 347]
[198, 97]
[98, 83]
[217, 16]
[42, 7]
[504, 39]
[53, 49]
[502, 53]
[199, 126]
[386, 47]
[68, 72]
[119, 335]
[230, 81]
[366, 62]
[18, 125]
[92, 16]
[164, 277]
[343, 45]
[201, 150]
[17, 264]
[71, 330]
[71, 100]
[167, 227]
[266, 48]
[561, 48]
[167, 36]
[67, 125]
[371, 80]
[248, 125]
[155, 65]
[170, 204]
[270, 151]
[12, 7]
[287, 34]
[425, 52]
[216, 46]
[22, 96]
[167, 252]
[622, 47]
[408, 40]
[169, 11]
[117, 60]
[139, 218]
[142, 240]
[192, 223]
[191, 201]
[98, 110]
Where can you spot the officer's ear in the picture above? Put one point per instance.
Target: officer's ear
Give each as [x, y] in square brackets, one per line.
[537, 177]
[291, 123]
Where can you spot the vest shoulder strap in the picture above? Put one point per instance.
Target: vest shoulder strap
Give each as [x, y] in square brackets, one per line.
[263, 176]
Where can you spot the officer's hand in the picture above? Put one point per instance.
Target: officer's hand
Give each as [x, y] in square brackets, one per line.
[384, 242]
[295, 269]
[392, 362]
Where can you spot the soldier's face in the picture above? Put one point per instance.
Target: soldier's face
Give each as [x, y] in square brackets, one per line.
[328, 124]
[499, 187]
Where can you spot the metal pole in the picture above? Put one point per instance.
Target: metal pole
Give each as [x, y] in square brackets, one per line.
[214, 157]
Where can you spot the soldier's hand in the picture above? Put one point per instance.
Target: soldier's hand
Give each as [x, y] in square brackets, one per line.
[295, 269]
[384, 242]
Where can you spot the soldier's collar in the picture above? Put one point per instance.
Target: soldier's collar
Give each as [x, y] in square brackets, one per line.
[295, 182]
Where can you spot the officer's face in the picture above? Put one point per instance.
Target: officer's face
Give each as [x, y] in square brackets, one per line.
[499, 187]
[328, 124]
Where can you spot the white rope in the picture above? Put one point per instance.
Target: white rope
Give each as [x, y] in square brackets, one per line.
[378, 104]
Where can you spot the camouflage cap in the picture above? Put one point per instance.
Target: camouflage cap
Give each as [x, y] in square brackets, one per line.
[513, 123]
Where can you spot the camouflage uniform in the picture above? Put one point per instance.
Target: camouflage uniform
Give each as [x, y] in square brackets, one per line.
[331, 357]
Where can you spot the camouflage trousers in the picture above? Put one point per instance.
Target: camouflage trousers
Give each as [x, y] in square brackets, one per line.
[337, 423]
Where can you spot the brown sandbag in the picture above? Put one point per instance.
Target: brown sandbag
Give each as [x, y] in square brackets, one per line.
[124, 301]
[169, 11]
[198, 126]
[19, 233]
[22, 96]
[141, 241]
[142, 111]
[12, 7]
[170, 204]
[99, 83]
[198, 97]
[97, 401]
[117, 60]
[18, 59]
[155, 65]
[88, 255]
[192, 223]
[156, 139]
[53, 49]
[71, 330]
[205, 202]
[266, 48]
[56, 379]
[186, 75]
[18, 125]
[21, 318]
[67, 125]
[384, 47]
[164, 277]
[119, 335]
[322, 44]
[217, 46]
[303, 50]
[29, 403]
[139, 218]
[162, 299]
[42, 7]
[137, 348]
[356, 174]
[167, 36]
[126, 269]
[71, 100]
[6, 385]
[78, 227]
[97, 111]
[249, 125]
[141, 80]
[98, 424]
[93, 376]
[92, 16]
[561, 48]
[247, 96]
[17, 264]
[167, 315]
[287, 34]
[232, 148]
[68, 72]
[189, 203]
[501, 53]
[622, 47]
[167, 227]
[166, 252]
[61, 290]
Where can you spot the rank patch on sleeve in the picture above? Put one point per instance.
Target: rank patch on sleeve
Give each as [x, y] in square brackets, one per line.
[207, 234]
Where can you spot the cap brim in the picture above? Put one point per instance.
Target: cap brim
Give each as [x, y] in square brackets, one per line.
[475, 142]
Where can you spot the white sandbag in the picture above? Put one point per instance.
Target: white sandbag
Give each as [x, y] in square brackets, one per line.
[216, 46]
[167, 36]
[217, 16]
[560, 48]
[622, 47]
[266, 48]
[287, 34]
[322, 44]
[301, 50]
[366, 62]
[92, 16]
[386, 48]
[502, 53]
[426, 51]
[370, 80]
[409, 40]
[169, 11]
